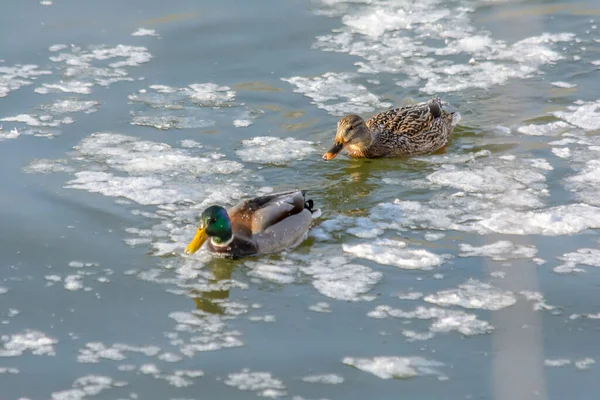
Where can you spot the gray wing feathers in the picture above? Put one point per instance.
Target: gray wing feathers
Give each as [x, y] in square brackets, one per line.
[285, 234]
[277, 209]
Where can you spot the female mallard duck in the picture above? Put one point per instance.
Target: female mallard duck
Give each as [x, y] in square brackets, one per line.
[264, 224]
[406, 131]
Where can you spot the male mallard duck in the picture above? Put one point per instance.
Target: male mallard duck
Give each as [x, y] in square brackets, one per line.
[406, 131]
[261, 225]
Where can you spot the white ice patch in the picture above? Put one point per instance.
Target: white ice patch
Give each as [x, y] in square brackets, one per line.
[12, 134]
[30, 340]
[473, 295]
[550, 129]
[585, 115]
[336, 278]
[560, 220]
[585, 363]
[320, 307]
[86, 386]
[200, 94]
[168, 107]
[71, 106]
[147, 162]
[65, 87]
[45, 166]
[563, 85]
[282, 272]
[273, 150]
[167, 121]
[263, 383]
[586, 183]
[395, 253]
[559, 362]
[588, 257]
[39, 121]
[330, 379]
[498, 251]
[562, 152]
[96, 65]
[443, 320]
[422, 41]
[15, 77]
[337, 94]
[395, 367]
[208, 333]
[95, 351]
[144, 32]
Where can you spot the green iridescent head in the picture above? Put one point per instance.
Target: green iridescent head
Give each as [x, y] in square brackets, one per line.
[214, 223]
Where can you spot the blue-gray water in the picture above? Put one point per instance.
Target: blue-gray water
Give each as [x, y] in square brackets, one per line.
[471, 274]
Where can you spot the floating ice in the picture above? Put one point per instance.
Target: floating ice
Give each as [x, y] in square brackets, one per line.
[335, 93]
[391, 252]
[242, 123]
[71, 106]
[562, 152]
[149, 162]
[320, 307]
[65, 87]
[5, 370]
[166, 122]
[83, 68]
[282, 272]
[585, 115]
[144, 32]
[73, 282]
[473, 295]
[89, 385]
[263, 383]
[94, 351]
[488, 179]
[589, 257]
[539, 303]
[273, 150]
[209, 333]
[199, 94]
[182, 108]
[560, 362]
[336, 278]
[30, 340]
[395, 367]
[413, 336]
[560, 220]
[419, 40]
[410, 296]
[15, 77]
[13, 134]
[331, 379]
[444, 320]
[43, 120]
[550, 129]
[584, 363]
[564, 85]
[585, 183]
[499, 251]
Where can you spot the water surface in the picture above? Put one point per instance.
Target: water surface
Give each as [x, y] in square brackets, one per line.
[468, 274]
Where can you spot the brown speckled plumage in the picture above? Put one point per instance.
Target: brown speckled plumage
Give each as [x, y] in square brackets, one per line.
[406, 131]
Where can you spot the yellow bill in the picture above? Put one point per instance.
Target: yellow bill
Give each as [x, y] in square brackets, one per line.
[197, 241]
